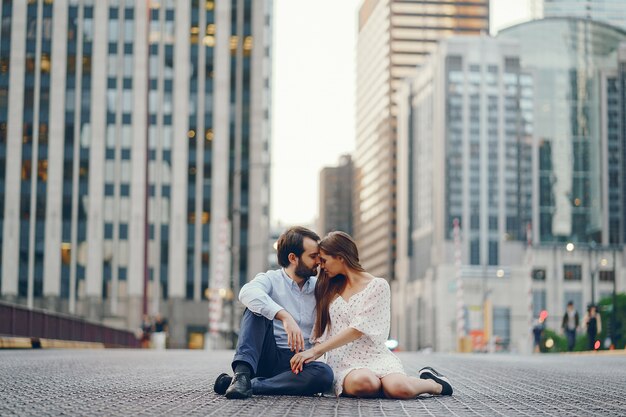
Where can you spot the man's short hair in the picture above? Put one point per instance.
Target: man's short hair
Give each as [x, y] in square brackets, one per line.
[291, 241]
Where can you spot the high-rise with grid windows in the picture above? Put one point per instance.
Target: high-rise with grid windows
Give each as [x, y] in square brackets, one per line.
[103, 102]
[394, 38]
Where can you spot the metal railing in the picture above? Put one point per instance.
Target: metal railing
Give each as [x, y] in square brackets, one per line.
[19, 321]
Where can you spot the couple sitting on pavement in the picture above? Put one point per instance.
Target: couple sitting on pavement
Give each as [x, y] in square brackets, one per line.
[345, 312]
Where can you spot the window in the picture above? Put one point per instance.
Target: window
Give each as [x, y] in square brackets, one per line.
[108, 231]
[539, 301]
[493, 253]
[502, 326]
[475, 252]
[606, 276]
[572, 272]
[493, 223]
[123, 231]
[539, 274]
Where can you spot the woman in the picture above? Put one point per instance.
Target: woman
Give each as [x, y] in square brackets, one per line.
[353, 316]
[593, 323]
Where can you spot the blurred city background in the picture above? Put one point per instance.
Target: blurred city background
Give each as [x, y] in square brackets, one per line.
[151, 152]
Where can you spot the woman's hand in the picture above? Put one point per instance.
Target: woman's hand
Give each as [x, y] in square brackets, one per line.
[299, 359]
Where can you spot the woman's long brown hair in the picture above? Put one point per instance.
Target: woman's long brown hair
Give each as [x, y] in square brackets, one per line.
[335, 244]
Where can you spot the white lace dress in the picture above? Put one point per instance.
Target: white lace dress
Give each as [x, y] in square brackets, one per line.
[368, 311]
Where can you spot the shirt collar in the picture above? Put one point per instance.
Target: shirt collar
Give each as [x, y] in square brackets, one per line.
[306, 288]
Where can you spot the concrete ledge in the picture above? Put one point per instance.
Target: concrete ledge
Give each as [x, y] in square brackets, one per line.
[69, 344]
[615, 352]
[7, 342]
[15, 343]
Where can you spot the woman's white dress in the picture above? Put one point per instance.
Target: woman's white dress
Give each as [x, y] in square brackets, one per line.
[368, 311]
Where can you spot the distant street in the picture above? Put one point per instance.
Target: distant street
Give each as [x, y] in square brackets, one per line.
[142, 382]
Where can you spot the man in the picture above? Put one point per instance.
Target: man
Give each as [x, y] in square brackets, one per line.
[159, 336]
[277, 324]
[570, 324]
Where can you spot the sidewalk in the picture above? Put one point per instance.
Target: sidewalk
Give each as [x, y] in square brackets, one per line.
[145, 382]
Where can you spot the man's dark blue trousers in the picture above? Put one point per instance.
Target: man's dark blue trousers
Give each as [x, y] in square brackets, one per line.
[272, 373]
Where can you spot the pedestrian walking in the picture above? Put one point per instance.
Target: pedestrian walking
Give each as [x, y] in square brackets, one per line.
[146, 331]
[570, 324]
[538, 328]
[159, 337]
[593, 323]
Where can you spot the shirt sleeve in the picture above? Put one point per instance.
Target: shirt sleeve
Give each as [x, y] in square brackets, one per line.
[373, 316]
[255, 295]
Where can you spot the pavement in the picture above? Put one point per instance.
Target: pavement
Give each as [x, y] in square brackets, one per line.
[143, 382]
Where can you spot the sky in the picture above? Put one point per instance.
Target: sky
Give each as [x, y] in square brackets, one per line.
[313, 101]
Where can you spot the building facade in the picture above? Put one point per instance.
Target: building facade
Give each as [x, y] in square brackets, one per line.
[464, 149]
[335, 205]
[571, 153]
[612, 12]
[116, 110]
[495, 132]
[393, 38]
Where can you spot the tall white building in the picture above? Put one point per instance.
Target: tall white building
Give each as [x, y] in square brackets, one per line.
[106, 102]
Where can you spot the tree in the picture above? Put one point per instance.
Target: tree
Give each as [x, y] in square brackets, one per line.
[618, 329]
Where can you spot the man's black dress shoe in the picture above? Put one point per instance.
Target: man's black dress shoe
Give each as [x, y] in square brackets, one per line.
[240, 387]
[221, 383]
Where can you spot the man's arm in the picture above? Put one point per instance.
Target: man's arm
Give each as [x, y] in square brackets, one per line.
[255, 295]
[295, 340]
[347, 335]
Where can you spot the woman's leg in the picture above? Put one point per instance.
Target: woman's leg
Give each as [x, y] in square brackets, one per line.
[362, 383]
[405, 387]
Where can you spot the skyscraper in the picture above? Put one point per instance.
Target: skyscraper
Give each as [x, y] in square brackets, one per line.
[570, 172]
[524, 129]
[613, 156]
[394, 37]
[465, 129]
[118, 109]
[335, 212]
[607, 11]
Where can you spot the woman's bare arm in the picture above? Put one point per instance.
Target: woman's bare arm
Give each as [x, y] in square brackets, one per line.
[342, 338]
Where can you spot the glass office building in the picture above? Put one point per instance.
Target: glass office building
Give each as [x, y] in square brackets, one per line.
[608, 11]
[114, 112]
[566, 57]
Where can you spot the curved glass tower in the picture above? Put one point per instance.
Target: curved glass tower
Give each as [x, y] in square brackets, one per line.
[567, 57]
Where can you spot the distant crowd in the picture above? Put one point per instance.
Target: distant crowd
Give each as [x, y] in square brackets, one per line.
[154, 332]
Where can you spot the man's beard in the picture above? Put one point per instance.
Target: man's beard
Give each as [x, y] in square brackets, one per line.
[304, 271]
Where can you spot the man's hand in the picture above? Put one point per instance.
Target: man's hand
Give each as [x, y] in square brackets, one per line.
[299, 359]
[294, 334]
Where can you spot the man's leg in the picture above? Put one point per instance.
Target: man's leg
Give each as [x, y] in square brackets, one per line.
[571, 339]
[256, 342]
[256, 346]
[315, 377]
